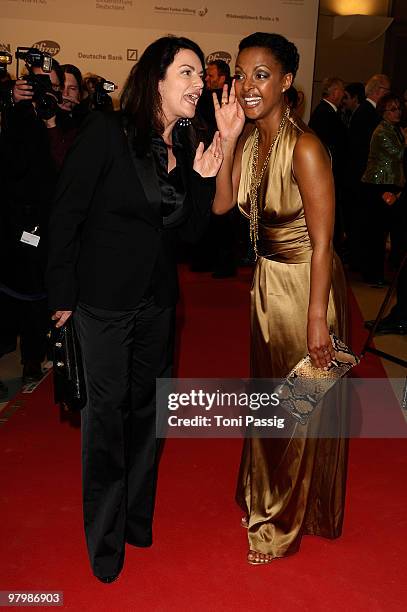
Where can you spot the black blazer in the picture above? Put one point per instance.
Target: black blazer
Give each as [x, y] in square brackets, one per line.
[108, 244]
[327, 125]
[362, 125]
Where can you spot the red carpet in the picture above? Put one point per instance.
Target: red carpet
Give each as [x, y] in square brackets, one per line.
[198, 562]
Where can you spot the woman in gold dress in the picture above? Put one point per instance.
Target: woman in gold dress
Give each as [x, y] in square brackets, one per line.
[280, 175]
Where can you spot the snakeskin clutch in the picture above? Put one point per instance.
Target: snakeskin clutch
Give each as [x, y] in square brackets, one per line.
[305, 386]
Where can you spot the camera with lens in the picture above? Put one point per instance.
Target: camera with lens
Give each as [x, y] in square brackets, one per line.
[32, 57]
[5, 79]
[99, 93]
[45, 97]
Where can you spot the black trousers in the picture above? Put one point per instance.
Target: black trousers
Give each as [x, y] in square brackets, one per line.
[123, 354]
[379, 221]
[399, 311]
[28, 319]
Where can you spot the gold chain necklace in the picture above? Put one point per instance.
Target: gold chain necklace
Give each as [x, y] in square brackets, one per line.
[255, 181]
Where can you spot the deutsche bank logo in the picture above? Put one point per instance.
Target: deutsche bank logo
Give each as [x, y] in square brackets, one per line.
[132, 55]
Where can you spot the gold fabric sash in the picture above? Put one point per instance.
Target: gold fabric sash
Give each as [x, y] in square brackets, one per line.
[285, 244]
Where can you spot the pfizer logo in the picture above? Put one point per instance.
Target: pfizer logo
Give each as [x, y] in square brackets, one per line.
[219, 55]
[47, 46]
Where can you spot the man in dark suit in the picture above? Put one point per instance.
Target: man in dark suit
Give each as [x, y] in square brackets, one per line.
[216, 250]
[361, 127]
[328, 126]
[217, 75]
[325, 120]
[353, 98]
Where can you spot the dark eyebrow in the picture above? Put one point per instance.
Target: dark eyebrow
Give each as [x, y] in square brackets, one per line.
[256, 67]
[192, 68]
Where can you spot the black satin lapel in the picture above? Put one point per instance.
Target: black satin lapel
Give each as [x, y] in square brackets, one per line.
[183, 161]
[146, 173]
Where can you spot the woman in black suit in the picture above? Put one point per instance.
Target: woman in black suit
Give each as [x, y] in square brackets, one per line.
[132, 186]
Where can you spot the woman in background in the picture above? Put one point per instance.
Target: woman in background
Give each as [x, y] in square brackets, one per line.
[384, 173]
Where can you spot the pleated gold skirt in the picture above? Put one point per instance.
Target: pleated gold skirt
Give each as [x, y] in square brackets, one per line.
[292, 486]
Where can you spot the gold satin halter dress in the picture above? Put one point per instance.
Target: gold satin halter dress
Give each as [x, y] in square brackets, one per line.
[288, 486]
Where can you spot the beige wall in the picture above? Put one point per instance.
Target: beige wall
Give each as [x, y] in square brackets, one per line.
[106, 36]
[352, 61]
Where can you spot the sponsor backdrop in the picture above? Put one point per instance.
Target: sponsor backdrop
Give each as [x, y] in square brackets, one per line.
[107, 36]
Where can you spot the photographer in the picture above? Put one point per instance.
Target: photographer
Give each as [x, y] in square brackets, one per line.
[72, 93]
[36, 136]
[96, 93]
[6, 84]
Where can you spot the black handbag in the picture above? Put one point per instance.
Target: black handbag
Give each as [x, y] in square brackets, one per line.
[69, 377]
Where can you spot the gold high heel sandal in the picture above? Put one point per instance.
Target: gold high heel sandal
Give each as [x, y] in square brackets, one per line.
[256, 558]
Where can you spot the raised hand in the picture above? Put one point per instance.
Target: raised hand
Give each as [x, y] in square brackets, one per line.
[22, 91]
[229, 114]
[207, 163]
